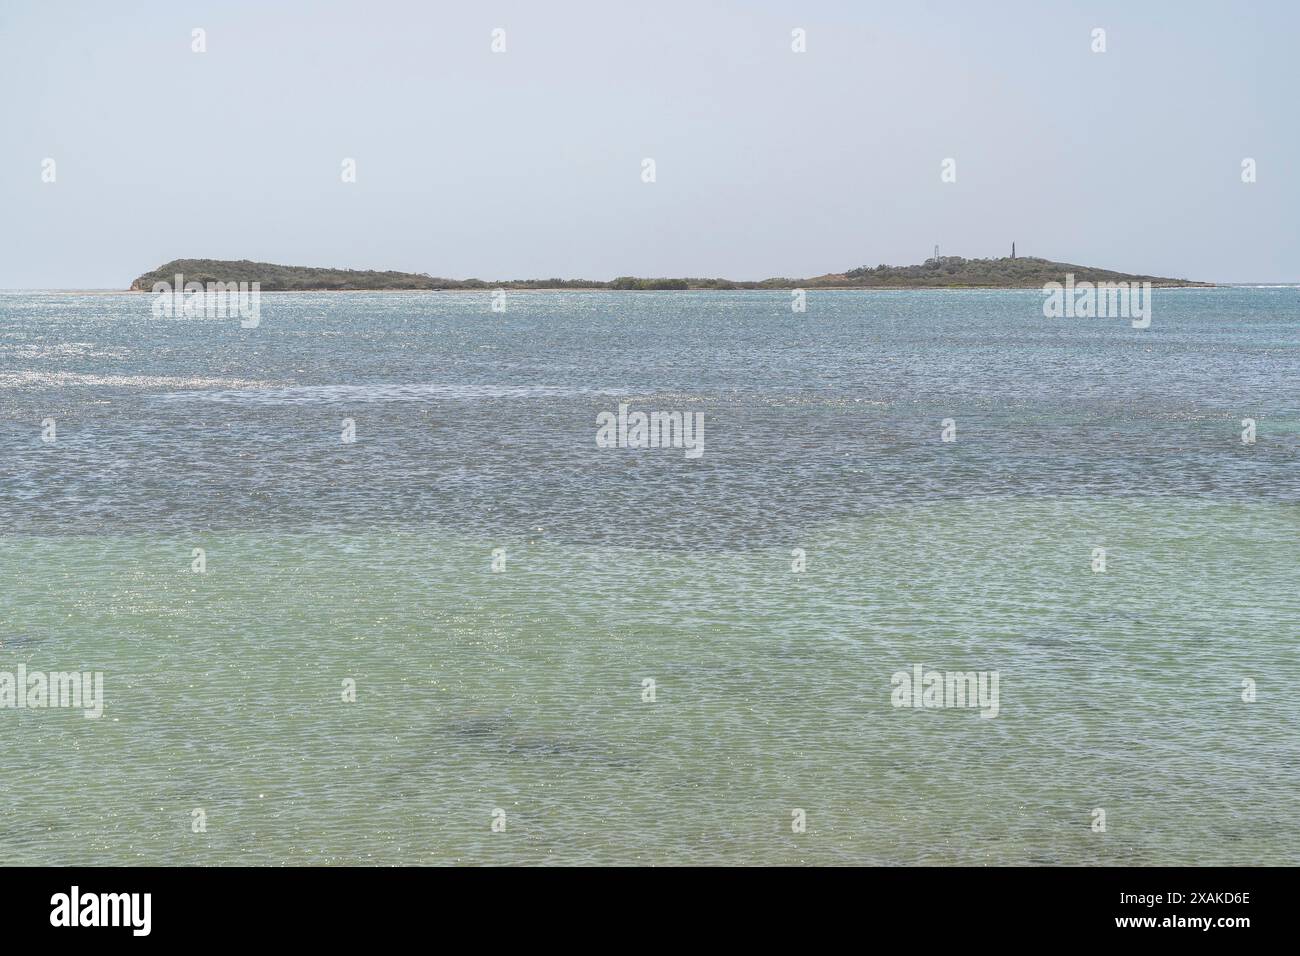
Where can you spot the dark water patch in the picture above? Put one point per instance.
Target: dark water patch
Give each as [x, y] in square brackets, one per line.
[502, 441]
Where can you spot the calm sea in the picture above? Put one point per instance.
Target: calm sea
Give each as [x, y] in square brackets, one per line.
[1163, 691]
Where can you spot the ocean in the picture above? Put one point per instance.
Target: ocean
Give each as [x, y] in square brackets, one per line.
[364, 588]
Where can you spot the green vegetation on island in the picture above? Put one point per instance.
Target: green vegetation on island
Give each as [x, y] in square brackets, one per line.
[951, 272]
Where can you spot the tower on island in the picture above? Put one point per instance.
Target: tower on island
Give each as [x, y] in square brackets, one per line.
[1013, 248]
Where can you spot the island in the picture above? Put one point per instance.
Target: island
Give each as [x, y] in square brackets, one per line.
[946, 272]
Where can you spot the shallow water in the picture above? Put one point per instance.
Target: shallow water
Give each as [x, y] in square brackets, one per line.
[522, 690]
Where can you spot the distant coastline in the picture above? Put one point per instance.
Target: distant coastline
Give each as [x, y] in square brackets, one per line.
[948, 272]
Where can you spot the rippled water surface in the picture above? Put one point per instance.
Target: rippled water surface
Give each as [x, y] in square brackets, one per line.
[523, 690]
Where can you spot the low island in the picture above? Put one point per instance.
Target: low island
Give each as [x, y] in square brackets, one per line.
[947, 272]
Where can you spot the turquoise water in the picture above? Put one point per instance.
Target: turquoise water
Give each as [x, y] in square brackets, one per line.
[522, 690]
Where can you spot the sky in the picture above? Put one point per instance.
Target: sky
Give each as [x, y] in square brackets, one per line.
[530, 162]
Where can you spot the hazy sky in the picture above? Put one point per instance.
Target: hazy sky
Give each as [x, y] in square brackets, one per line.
[528, 163]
